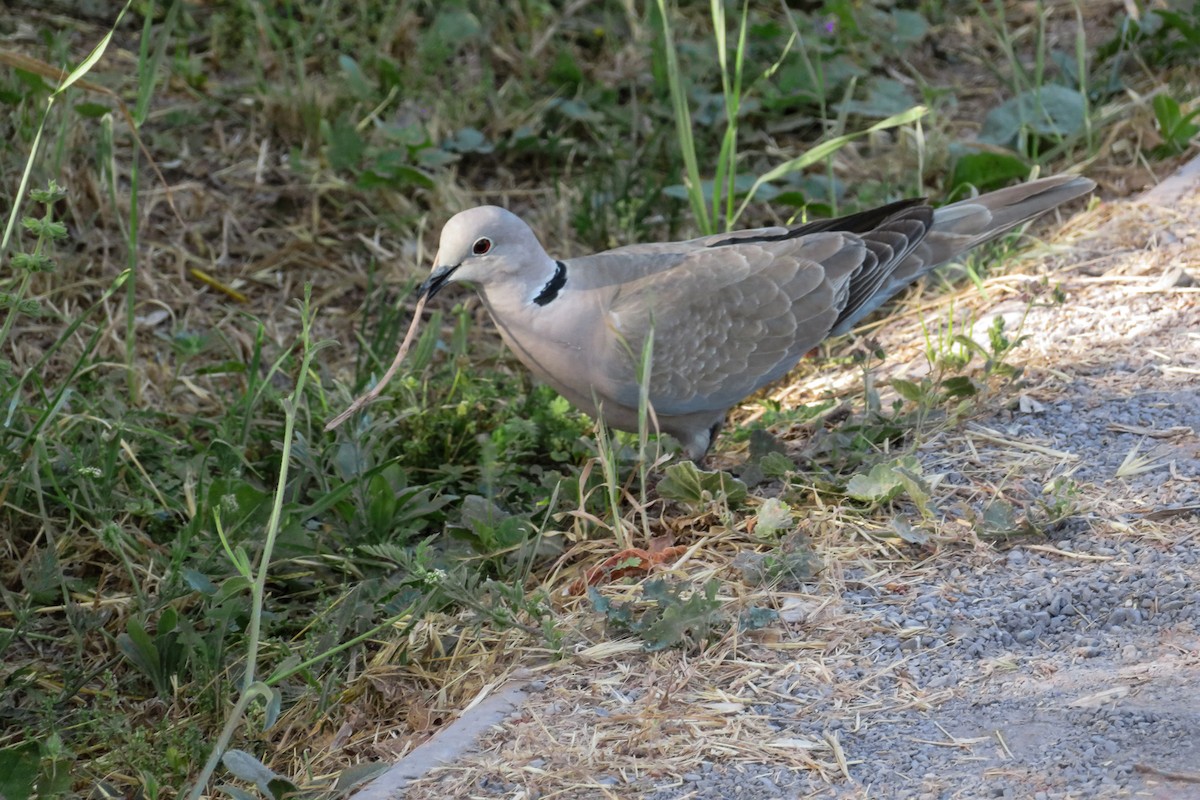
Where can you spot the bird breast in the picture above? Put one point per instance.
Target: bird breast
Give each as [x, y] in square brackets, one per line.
[558, 344]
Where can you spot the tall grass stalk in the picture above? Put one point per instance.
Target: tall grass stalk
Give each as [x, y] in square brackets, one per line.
[147, 69]
[131, 286]
[683, 124]
[724, 211]
[1022, 81]
[607, 450]
[1081, 54]
[73, 76]
[51, 404]
[252, 688]
[826, 149]
[646, 418]
[731, 91]
[815, 68]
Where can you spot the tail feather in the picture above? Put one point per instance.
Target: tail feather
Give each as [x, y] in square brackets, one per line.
[961, 226]
[969, 223]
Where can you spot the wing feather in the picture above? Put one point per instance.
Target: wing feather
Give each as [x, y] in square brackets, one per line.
[726, 319]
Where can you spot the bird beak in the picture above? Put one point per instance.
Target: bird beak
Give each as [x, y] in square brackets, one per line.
[434, 283]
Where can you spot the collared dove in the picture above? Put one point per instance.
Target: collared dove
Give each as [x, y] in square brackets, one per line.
[725, 315]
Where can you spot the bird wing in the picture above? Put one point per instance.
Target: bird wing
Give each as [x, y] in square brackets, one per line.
[738, 312]
[723, 320]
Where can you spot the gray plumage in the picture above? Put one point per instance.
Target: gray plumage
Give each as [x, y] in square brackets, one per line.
[730, 313]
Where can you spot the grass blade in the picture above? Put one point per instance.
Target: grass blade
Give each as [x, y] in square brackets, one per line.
[828, 148]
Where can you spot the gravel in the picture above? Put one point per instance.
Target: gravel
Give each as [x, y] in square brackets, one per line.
[1077, 676]
[1061, 667]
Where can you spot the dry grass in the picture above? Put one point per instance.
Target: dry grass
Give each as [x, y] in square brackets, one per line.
[609, 709]
[252, 231]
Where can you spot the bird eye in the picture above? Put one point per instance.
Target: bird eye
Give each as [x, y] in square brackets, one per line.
[481, 246]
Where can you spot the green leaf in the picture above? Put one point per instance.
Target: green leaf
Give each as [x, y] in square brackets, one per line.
[879, 485]
[566, 71]
[271, 696]
[575, 110]
[248, 768]
[355, 79]
[357, 775]
[887, 480]
[86, 65]
[756, 618]
[382, 174]
[1000, 521]
[910, 391]
[682, 622]
[689, 484]
[19, 768]
[199, 581]
[57, 774]
[32, 80]
[908, 533]
[280, 788]
[137, 646]
[908, 28]
[969, 343]
[885, 97]
[959, 386]
[455, 28]
[468, 140]
[91, 110]
[773, 516]
[674, 613]
[230, 588]
[916, 488]
[1176, 129]
[1049, 111]
[987, 170]
[491, 528]
[776, 465]
[767, 459]
[381, 504]
[344, 144]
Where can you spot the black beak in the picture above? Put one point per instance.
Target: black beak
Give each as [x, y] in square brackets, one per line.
[434, 283]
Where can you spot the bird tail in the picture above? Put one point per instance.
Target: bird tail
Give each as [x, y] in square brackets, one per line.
[960, 226]
[969, 223]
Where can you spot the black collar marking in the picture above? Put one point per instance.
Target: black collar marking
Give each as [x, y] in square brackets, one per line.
[552, 287]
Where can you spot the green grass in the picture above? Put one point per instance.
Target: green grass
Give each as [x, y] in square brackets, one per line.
[213, 232]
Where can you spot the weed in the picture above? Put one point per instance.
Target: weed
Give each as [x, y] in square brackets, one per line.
[1178, 129]
[1160, 36]
[180, 536]
[719, 204]
[699, 489]
[886, 481]
[47, 233]
[675, 614]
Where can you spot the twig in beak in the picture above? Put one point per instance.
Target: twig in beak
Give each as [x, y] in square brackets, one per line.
[369, 396]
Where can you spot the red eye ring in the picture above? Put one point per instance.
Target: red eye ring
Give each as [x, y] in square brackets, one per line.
[482, 246]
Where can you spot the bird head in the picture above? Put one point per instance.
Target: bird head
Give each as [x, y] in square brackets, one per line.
[486, 246]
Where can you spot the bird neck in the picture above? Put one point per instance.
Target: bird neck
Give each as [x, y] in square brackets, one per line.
[541, 285]
[549, 292]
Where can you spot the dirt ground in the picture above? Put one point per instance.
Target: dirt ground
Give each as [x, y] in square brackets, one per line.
[1065, 665]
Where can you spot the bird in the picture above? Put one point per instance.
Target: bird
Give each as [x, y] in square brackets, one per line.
[718, 317]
